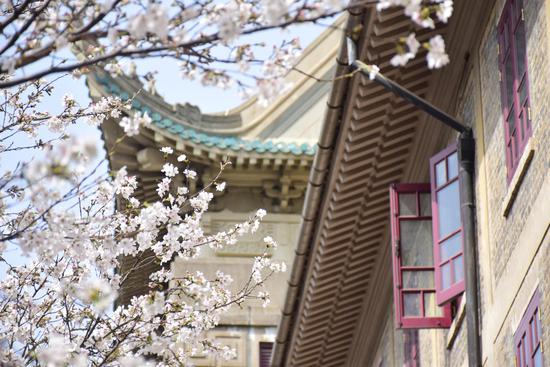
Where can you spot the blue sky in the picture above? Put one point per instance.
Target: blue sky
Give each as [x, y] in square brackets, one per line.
[170, 86]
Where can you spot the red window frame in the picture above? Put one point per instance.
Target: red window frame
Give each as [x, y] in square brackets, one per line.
[450, 264]
[527, 338]
[265, 350]
[403, 321]
[514, 82]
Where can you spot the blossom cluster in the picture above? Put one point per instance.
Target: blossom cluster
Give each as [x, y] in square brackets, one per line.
[424, 14]
[57, 208]
[57, 309]
[203, 37]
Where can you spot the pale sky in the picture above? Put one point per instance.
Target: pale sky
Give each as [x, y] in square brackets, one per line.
[170, 86]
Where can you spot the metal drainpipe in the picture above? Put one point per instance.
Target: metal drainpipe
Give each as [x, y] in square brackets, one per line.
[466, 152]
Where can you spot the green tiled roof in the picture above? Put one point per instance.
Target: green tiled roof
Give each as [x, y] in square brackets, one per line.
[235, 143]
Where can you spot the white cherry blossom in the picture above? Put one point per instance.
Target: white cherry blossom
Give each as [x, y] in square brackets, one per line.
[437, 57]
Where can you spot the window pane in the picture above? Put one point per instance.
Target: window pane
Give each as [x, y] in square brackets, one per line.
[518, 4]
[520, 48]
[509, 76]
[411, 304]
[425, 205]
[452, 161]
[522, 130]
[451, 247]
[407, 204]
[418, 279]
[539, 330]
[440, 173]
[448, 200]
[506, 37]
[537, 359]
[533, 331]
[416, 242]
[430, 306]
[523, 351]
[522, 91]
[514, 145]
[511, 122]
[446, 276]
[459, 268]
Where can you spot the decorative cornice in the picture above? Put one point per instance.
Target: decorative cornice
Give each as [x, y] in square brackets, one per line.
[180, 130]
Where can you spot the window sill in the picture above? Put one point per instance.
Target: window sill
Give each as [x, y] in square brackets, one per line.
[521, 169]
[455, 326]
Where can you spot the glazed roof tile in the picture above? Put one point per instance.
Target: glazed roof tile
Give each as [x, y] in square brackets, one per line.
[188, 133]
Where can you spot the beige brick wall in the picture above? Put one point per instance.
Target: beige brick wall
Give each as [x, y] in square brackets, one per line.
[513, 252]
[513, 249]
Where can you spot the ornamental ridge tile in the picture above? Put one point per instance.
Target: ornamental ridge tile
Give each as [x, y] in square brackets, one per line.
[187, 133]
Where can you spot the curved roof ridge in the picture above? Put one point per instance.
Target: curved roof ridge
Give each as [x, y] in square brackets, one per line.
[183, 130]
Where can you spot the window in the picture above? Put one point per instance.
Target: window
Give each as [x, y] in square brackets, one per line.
[527, 339]
[413, 265]
[447, 225]
[265, 354]
[427, 245]
[514, 82]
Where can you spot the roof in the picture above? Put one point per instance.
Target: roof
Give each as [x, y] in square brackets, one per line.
[248, 129]
[181, 124]
[340, 288]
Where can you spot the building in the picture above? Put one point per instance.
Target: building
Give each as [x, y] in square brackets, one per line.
[271, 150]
[389, 268]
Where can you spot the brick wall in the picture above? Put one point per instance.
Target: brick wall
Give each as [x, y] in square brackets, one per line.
[504, 232]
[513, 277]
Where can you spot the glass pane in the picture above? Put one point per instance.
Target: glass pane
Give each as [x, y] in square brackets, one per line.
[518, 4]
[537, 358]
[520, 355]
[448, 203]
[522, 91]
[452, 161]
[440, 173]
[459, 268]
[511, 122]
[407, 204]
[509, 76]
[430, 306]
[418, 279]
[514, 145]
[520, 48]
[533, 332]
[522, 130]
[506, 37]
[539, 330]
[451, 247]
[425, 205]
[416, 243]
[446, 276]
[411, 304]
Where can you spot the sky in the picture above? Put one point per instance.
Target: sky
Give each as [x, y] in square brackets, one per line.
[170, 86]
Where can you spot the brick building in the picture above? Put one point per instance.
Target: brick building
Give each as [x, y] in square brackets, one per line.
[385, 272]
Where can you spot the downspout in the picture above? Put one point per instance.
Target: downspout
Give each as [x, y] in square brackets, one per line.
[466, 153]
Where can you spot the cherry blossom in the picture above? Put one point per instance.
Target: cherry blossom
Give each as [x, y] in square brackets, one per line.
[436, 53]
[72, 222]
